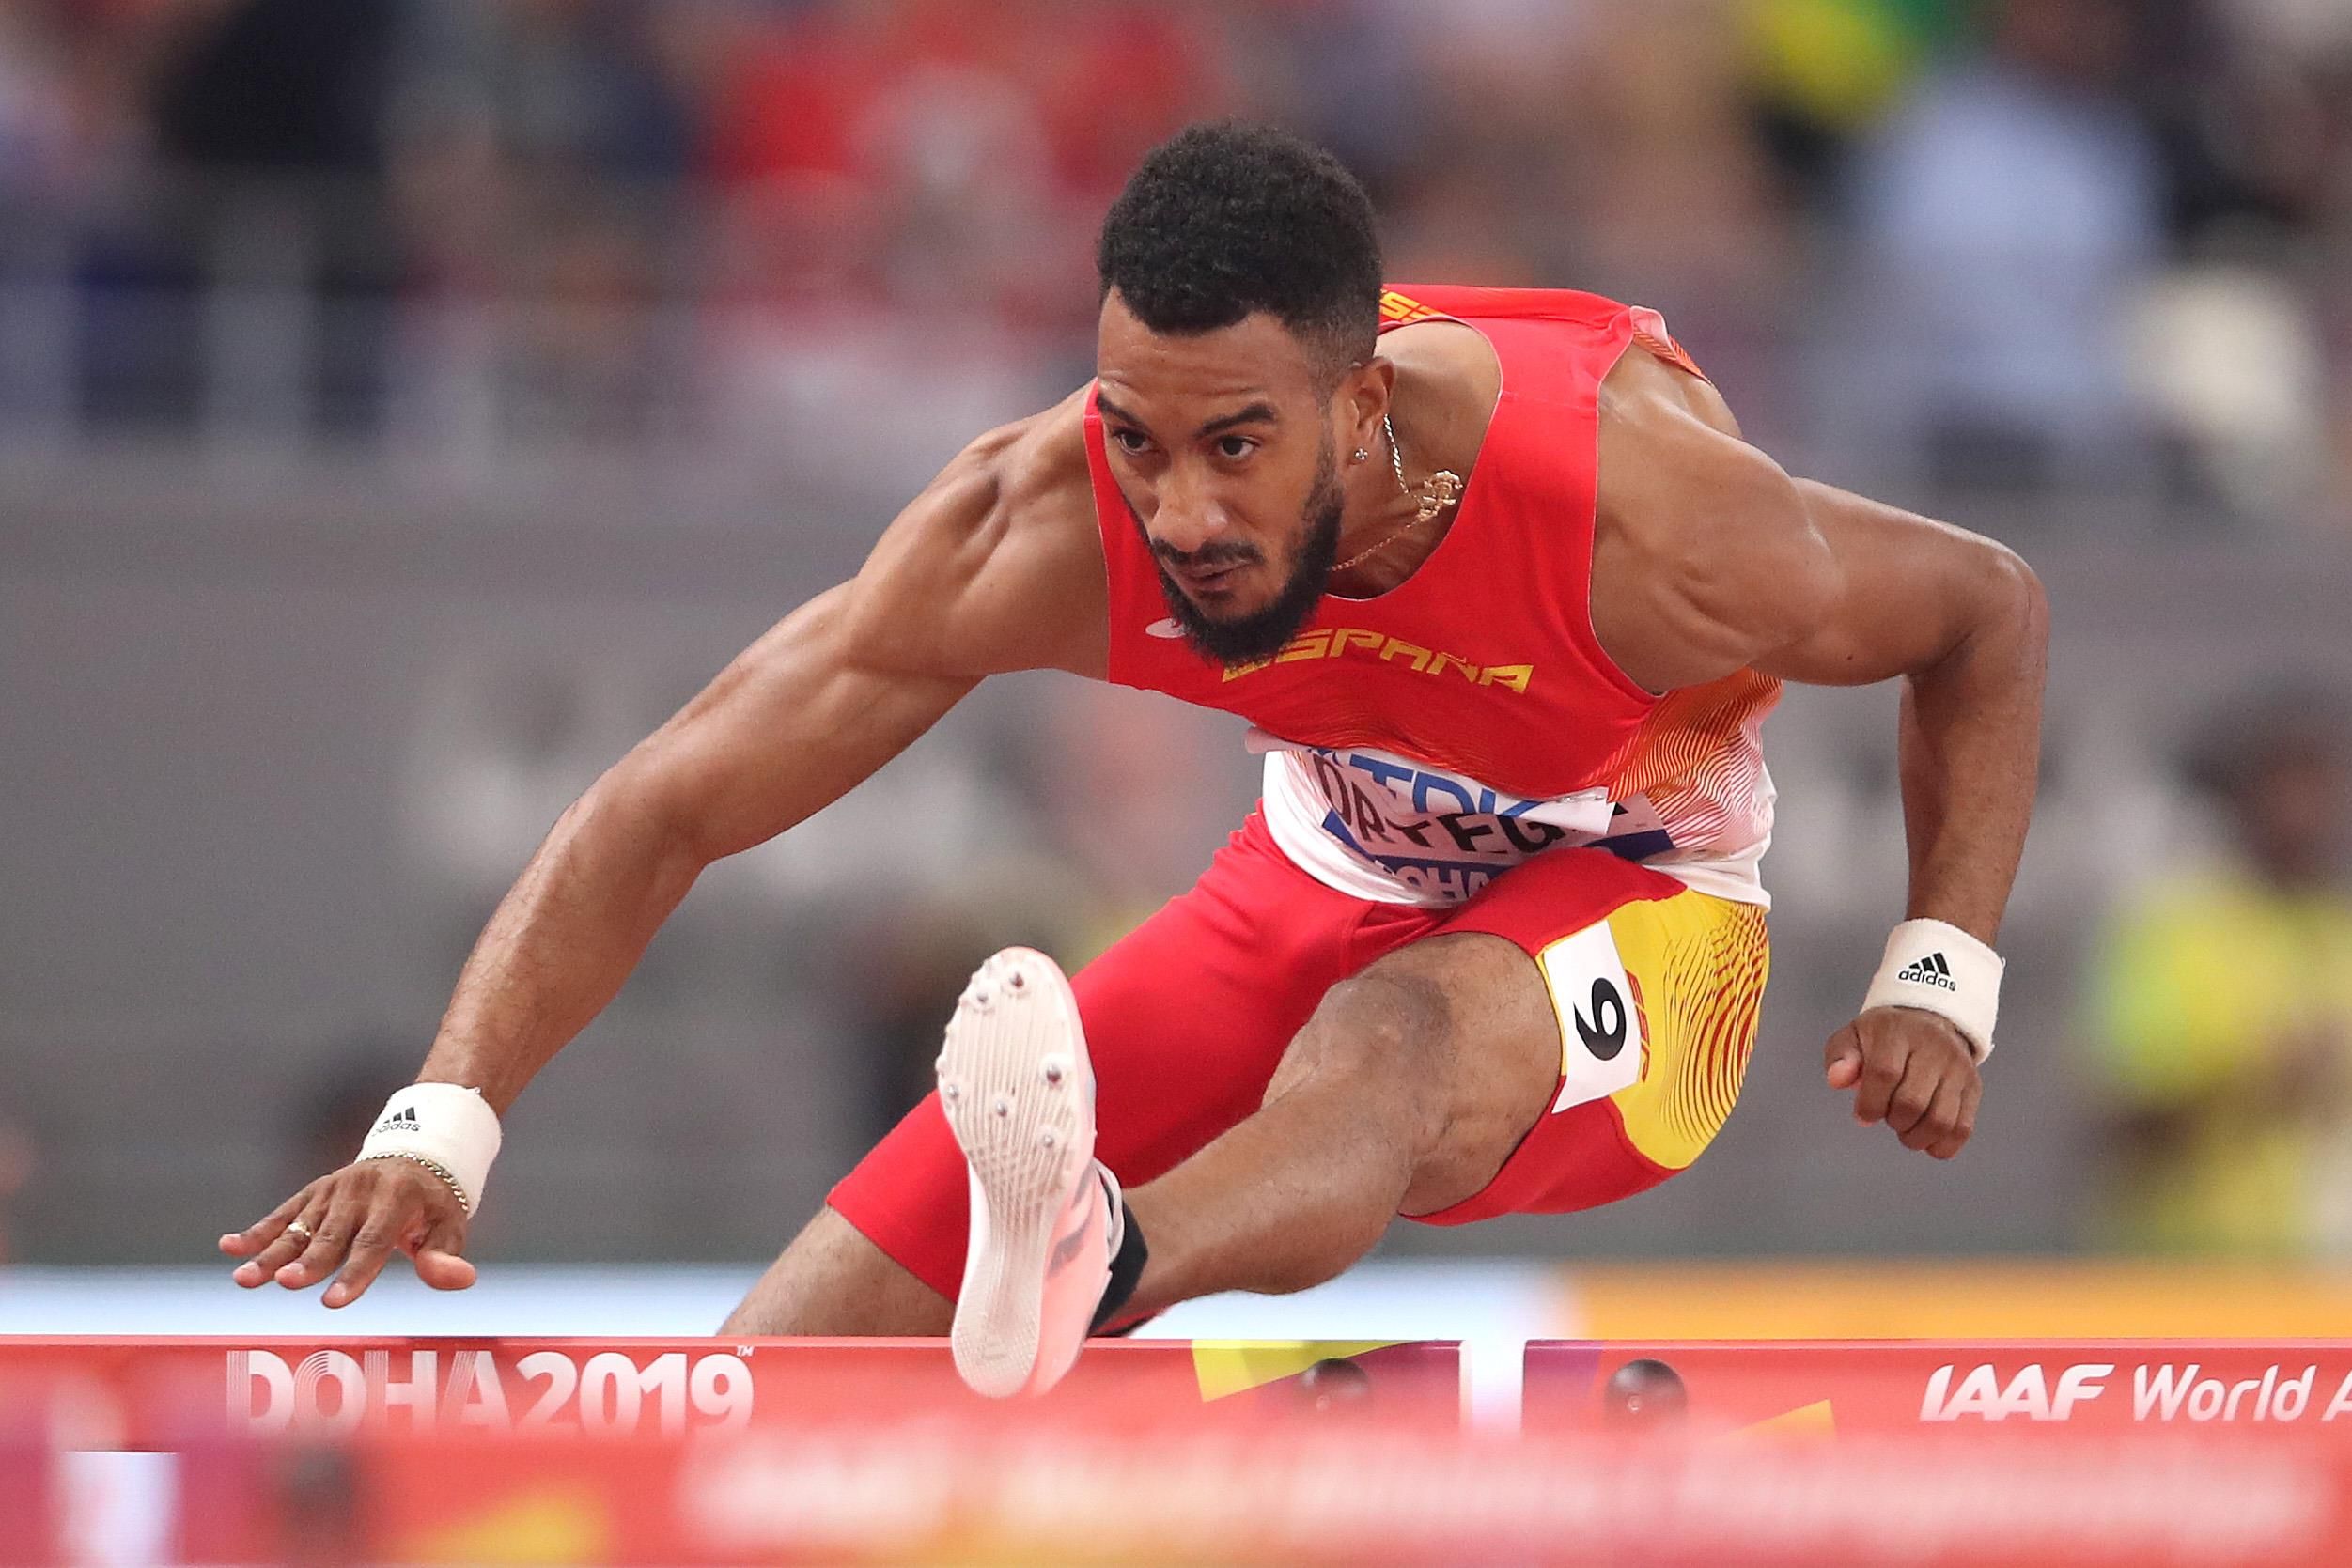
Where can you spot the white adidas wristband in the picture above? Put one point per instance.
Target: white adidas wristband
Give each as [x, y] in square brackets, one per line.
[1938, 968]
[449, 1131]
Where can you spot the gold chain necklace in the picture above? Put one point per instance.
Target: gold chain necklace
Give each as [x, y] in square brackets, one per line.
[1438, 492]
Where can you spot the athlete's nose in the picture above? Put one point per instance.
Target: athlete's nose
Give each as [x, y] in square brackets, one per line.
[1189, 517]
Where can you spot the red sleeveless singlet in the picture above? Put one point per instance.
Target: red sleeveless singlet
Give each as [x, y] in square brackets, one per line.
[1474, 695]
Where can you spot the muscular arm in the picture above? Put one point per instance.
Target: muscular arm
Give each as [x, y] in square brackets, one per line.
[985, 571]
[793, 724]
[1711, 560]
[994, 568]
[1963, 621]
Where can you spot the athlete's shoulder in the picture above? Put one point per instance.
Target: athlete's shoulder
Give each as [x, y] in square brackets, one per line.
[1021, 475]
[997, 565]
[1040, 458]
[1655, 383]
[1703, 552]
[1554, 344]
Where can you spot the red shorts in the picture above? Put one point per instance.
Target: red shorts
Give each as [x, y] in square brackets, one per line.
[1656, 988]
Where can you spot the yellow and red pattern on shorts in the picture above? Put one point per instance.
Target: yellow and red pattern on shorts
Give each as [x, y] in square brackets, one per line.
[1696, 966]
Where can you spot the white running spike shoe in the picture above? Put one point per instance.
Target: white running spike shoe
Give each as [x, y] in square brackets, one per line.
[1045, 1217]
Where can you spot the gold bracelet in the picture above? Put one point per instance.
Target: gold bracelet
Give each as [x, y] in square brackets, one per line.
[464, 1204]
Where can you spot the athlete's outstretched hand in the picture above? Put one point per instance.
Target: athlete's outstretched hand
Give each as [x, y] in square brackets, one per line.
[1912, 1070]
[356, 1218]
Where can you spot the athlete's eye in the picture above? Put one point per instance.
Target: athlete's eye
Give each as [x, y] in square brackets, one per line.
[1133, 442]
[1234, 447]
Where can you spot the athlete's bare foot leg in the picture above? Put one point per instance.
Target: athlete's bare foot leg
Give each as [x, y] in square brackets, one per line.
[832, 1280]
[1405, 1093]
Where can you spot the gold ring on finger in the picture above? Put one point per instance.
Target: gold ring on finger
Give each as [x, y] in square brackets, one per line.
[300, 1232]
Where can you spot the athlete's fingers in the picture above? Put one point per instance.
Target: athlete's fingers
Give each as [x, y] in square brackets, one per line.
[332, 1238]
[282, 1248]
[254, 1237]
[1882, 1070]
[379, 1228]
[1843, 1060]
[1936, 1120]
[437, 1260]
[1963, 1122]
[1908, 1107]
[446, 1270]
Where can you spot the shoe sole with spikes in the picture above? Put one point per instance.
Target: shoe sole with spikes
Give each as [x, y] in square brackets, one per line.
[1019, 1092]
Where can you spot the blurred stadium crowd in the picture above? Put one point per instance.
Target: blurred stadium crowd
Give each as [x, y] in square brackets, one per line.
[2075, 272]
[2034, 245]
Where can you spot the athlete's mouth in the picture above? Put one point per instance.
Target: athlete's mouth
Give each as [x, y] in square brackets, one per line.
[1210, 580]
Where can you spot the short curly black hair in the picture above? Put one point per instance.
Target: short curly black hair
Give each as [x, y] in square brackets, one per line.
[1227, 219]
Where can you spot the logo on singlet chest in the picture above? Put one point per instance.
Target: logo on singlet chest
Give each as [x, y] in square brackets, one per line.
[1358, 643]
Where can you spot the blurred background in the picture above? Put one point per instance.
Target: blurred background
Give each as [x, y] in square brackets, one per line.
[405, 404]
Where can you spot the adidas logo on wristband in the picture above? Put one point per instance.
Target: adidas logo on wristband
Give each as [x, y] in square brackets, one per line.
[457, 1142]
[1916, 981]
[1930, 971]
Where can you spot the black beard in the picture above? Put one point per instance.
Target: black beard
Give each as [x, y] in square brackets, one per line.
[1254, 638]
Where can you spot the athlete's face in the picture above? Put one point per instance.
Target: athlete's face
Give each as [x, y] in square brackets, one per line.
[1226, 446]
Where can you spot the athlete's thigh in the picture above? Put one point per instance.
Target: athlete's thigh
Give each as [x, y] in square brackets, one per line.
[1655, 989]
[1185, 1018]
[1448, 1043]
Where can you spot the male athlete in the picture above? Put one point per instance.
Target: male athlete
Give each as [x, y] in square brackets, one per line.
[1506, 598]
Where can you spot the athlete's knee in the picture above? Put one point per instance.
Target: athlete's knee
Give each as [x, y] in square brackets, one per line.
[1391, 1018]
[1388, 1034]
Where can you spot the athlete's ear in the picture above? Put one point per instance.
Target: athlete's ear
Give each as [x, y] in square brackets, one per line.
[1360, 401]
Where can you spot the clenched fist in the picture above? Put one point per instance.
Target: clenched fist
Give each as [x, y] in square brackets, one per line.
[1912, 1070]
[354, 1220]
